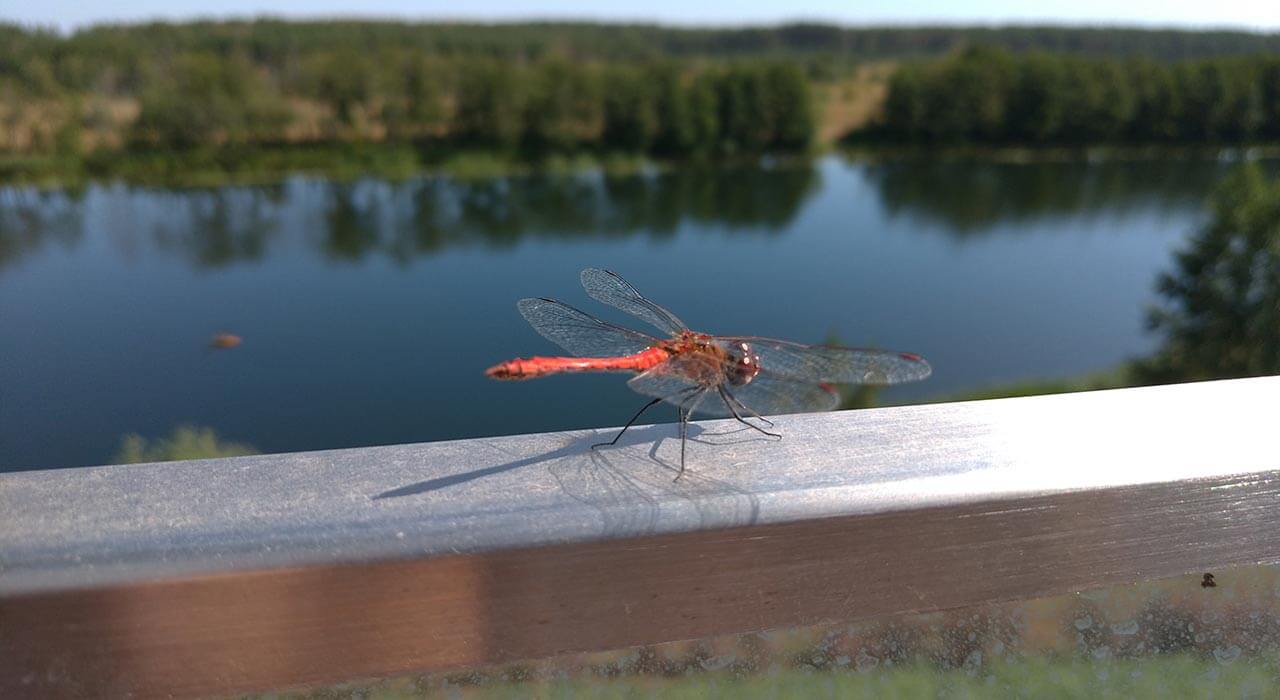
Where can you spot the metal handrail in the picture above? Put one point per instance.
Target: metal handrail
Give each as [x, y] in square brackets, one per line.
[250, 573]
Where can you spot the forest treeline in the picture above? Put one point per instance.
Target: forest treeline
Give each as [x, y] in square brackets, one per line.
[547, 107]
[666, 108]
[125, 50]
[528, 90]
[987, 95]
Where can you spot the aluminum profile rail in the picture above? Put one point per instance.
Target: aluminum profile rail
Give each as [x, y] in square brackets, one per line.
[253, 573]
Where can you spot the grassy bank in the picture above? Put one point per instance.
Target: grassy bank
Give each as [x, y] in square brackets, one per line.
[1158, 677]
[209, 167]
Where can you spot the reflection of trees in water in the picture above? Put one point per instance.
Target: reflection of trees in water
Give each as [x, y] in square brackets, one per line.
[501, 212]
[352, 223]
[31, 219]
[349, 221]
[217, 227]
[1221, 310]
[969, 197]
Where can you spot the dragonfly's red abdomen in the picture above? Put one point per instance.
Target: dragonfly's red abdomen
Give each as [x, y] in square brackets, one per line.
[532, 367]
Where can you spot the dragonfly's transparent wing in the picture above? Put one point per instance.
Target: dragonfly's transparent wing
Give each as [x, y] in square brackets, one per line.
[581, 333]
[673, 382]
[608, 288]
[770, 395]
[667, 380]
[829, 363]
[766, 394]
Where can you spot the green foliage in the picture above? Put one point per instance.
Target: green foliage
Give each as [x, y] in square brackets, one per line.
[87, 55]
[563, 108]
[186, 442]
[344, 81]
[210, 100]
[414, 99]
[490, 103]
[559, 90]
[1221, 312]
[688, 121]
[631, 120]
[992, 96]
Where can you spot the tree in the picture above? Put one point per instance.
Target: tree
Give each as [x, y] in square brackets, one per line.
[414, 102]
[790, 107]
[490, 102]
[210, 100]
[743, 110]
[563, 108]
[906, 110]
[1221, 312]
[1157, 110]
[630, 110]
[1036, 108]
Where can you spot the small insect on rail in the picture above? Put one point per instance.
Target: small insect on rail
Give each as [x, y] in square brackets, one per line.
[745, 377]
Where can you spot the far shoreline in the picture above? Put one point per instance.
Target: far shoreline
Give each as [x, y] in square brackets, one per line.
[268, 165]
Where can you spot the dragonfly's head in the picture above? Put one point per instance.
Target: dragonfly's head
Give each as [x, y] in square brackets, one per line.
[745, 366]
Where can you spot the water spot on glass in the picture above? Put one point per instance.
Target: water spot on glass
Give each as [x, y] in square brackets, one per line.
[973, 661]
[715, 663]
[1125, 628]
[866, 662]
[1083, 623]
[1226, 655]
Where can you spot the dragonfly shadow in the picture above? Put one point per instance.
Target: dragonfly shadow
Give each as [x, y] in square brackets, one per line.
[654, 434]
[632, 500]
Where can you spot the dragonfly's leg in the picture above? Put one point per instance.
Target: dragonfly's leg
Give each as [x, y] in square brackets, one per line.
[747, 409]
[684, 433]
[685, 411]
[639, 413]
[730, 400]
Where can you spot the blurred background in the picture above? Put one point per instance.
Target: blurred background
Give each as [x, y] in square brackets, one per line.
[295, 232]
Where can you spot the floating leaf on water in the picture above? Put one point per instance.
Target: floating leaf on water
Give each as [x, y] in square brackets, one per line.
[225, 341]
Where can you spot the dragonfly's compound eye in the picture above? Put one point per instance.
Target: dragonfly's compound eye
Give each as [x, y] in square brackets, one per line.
[746, 366]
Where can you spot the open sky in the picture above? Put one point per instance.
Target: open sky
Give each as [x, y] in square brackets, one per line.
[1249, 14]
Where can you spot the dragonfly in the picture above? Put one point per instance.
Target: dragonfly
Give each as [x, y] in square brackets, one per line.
[722, 376]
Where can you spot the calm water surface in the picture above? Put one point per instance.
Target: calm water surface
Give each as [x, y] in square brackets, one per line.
[369, 310]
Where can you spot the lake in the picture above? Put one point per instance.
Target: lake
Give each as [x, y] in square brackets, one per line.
[369, 310]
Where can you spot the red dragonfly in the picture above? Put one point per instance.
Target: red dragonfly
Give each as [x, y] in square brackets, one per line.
[714, 375]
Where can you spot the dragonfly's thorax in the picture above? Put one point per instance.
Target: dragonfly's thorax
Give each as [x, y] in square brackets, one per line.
[709, 363]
